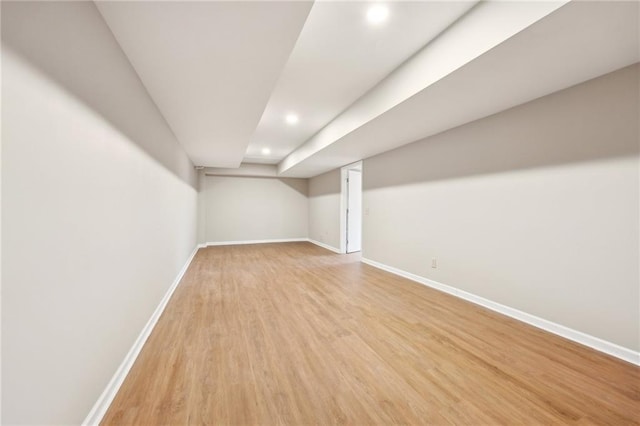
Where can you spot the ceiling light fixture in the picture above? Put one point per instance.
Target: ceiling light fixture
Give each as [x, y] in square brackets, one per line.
[266, 151]
[377, 14]
[291, 118]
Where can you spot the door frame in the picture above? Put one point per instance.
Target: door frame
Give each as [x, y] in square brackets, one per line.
[343, 202]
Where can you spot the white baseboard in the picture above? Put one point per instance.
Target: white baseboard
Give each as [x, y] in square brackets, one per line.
[104, 401]
[280, 240]
[106, 398]
[234, 243]
[323, 245]
[566, 332]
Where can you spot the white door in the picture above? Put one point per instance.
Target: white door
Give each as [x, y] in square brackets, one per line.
[354, 211]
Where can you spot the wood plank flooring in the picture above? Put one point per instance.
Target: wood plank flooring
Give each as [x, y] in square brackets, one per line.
[293, 334]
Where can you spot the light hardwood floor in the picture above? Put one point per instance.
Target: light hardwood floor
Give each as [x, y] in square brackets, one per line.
[294, 334]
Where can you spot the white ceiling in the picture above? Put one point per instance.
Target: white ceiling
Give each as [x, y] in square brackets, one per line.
[224, 74]
[578, 41]
[338, 57]
[210, 67]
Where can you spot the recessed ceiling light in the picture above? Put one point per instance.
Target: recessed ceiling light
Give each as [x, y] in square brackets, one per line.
[266, 151]
[377, 14]
[291, 118]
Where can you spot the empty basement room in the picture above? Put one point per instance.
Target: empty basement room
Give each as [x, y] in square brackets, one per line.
[295, 212]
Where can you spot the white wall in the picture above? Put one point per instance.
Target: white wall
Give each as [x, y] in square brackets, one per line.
[324, 208]
[254, 208]
[535, 208]
[98, 210]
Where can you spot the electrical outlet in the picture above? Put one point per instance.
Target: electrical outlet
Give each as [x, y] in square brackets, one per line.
[366, 211]
[434, 262]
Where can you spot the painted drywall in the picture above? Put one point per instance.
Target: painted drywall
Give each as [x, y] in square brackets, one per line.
[535, 208]
[98, 210]
[254, 208]
[201, 225]
[324, 208]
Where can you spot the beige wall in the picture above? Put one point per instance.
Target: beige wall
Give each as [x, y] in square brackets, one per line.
[535, 208]
[98, 210]
[254, 208]
[324, 208]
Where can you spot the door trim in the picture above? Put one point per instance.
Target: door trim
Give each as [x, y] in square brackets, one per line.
[343, 203]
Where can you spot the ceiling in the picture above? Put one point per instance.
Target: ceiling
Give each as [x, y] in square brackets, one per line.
[226, 74]
[576, 42]
[210, 67]
[338, 57]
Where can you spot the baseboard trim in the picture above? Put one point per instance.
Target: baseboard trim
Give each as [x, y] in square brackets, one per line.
[325, 246]
[279, 240]
[235, 243]
[106, 398]
[560, 330]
